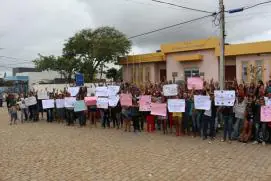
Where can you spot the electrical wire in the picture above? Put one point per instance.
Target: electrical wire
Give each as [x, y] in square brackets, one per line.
[184, 7]
[149, 4]
[167, 27]
[255, 5]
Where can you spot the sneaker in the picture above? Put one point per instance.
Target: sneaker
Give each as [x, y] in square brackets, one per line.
[263, 143]
[255, 142]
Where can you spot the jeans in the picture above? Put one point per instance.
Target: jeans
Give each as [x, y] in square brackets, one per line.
[105, 120]
[24, 114]
[69, 116]
[49, 115]
[227, 127]
[82, 118]
[208, 122]
[196, 122]
[237, 128]
[260, 131]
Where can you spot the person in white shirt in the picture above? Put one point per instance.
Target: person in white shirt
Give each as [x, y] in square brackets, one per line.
[239, 110]
[24, 108]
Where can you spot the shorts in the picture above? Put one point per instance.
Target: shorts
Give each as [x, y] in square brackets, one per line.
[14, 116]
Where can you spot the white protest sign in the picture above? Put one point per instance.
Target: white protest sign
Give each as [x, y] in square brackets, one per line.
[90, 91]
[47, 104]
[202, 102]
[113, 90]
[267, 101]
[69, 101]
[30, 101]
[170, 90]
[43, 95]
[113, 100]
[60, 103]
[224, 98]
[101, 92]
[176, 105]
[102, 103]
[73, 90]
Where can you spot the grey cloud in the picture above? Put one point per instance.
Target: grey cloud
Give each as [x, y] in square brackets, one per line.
[137, 16]
[30, 27]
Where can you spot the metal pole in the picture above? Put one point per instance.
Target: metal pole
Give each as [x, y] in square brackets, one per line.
[222, 45]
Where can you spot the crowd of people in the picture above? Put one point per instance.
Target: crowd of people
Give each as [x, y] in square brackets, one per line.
[243, 126]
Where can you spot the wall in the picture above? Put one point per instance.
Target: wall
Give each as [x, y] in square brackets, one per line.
[35, 77]
[138, 68]
[251, 59]
[209, 64]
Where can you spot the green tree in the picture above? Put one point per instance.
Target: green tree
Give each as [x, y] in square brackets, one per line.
[66, 66]
[95, 48]
[114, 74]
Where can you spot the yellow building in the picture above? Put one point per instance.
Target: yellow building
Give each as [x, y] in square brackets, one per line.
[244, 62]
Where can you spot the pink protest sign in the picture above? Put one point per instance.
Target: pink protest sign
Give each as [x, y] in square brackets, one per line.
[126, 100]
[266, 114]
[90, 101]
[145, 103]
[194, 82]
[158, 109]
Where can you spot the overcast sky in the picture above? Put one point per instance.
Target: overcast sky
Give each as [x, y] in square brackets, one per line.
[29, 27]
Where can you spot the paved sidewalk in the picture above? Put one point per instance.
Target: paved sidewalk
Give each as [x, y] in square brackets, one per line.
[54, 152]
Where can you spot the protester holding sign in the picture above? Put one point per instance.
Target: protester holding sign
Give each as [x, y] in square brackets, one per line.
[260, 123]
[60, 111]
[239, 110]
[209, 119]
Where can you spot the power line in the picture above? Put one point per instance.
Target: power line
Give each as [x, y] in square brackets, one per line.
[237, 10]
[255, 5]
[167, 27]
[149, 4]
[184, 7]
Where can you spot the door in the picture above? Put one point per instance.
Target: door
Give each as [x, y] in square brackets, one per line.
[230, 72]
[163, 75]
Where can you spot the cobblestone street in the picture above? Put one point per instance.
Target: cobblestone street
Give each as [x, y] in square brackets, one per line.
[42, 151]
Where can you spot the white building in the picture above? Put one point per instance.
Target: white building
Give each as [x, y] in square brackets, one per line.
[37, 77]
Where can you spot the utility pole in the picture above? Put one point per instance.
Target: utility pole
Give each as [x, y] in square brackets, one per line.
[222, 45]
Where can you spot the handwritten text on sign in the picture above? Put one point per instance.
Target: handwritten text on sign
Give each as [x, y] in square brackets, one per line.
[224, 98]
[101, 92]
[126, 100]
[113, 100]
[113, 90]
[194, 83]
[159, 109]
[145, 103]
[47, 104]
[73, 90]
[102, 103]
[176, 105]
[202, 102]
[170, 90]
[266, 113]
[69, 102]
[30, 101]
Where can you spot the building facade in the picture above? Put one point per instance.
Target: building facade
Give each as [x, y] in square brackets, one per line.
[177, 61]
[22, 70]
